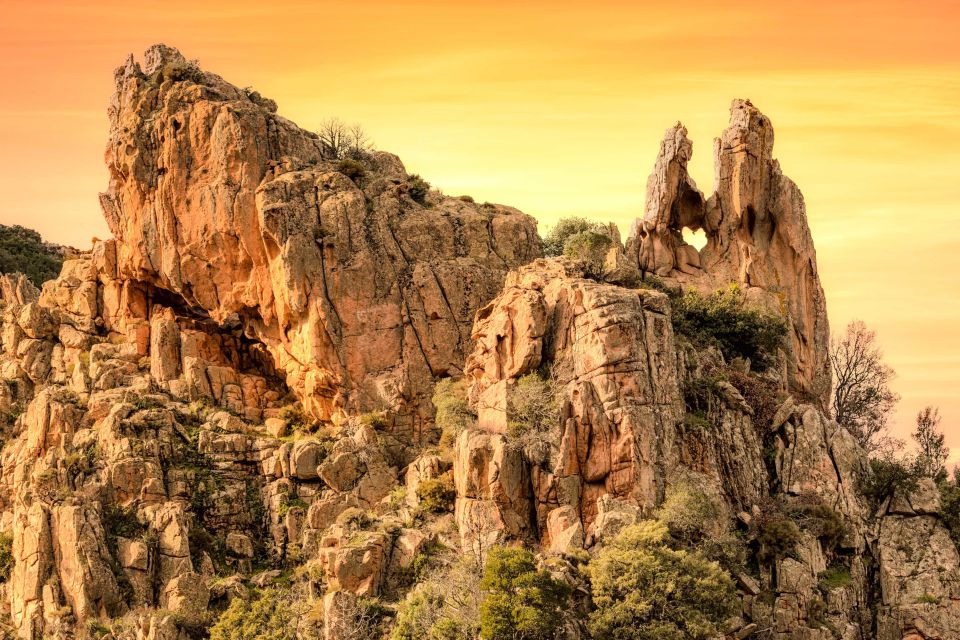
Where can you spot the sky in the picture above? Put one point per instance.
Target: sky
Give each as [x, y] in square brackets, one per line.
[558, 108]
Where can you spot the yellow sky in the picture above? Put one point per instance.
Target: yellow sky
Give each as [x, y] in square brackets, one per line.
[558, 108]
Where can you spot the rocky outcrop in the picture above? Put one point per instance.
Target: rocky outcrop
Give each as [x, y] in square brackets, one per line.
[757, 235]
[233, 393]
[360, 294]
[611, 350]
[919, 569]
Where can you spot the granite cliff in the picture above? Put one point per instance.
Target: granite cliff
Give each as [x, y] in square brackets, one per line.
[247, 391]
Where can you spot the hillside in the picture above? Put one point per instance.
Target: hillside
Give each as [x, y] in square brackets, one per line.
[24, 251]
[299, 394]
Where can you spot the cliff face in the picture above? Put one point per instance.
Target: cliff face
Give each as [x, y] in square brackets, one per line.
[757, 235]
[359, 294]
[234, 391]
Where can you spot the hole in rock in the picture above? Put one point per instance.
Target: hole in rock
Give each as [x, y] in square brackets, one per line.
[697, 238]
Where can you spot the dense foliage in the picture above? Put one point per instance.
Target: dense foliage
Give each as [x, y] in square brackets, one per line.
[267, 615]
[521, 602]
[642, 588]
[590, 249]
[724, 320]
[23, 250]
[556, 239]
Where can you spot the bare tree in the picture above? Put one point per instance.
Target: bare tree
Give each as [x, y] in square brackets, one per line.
[342, 140]
[932, 453]
[352, 618]
[477, 531]
[862, 398]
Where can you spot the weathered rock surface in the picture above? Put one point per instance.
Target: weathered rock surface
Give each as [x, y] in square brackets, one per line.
[360, 294]
[757, 236]
[238, 385]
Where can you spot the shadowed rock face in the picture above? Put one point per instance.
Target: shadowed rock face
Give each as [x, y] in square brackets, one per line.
[360, 294]
[757, 235]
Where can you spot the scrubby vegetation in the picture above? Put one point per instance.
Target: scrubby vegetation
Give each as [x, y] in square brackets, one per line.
[643, 588]
[418, 188]
[265, 615]
[723, 319]
[696, 522]
[444, 606]
[6, 555]
[533, 405]
[521, 602]
[23, 250]
[777, 535]
[436, 495]
[812, 514]
[351, 168]
[556, 238]
[453, 412]
[590, 249]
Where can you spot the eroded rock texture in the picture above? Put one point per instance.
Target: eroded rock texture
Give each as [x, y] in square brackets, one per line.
[360, 295]
[233, 393]
[757, 235]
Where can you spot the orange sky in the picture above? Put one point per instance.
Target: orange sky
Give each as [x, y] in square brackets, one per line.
[558, 108]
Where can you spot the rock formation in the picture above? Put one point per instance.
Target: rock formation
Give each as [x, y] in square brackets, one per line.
[757, 235]
[232, 396]
[359, 294]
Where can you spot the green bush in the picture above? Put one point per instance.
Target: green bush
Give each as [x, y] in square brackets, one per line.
[762, 395]
[777, 537]
[888, 475]
[295, 417]
[722, 319]
[418, 188]
[642, 588]
[824, 522]
[436, 495]
[352, 169]
[6, 555]
[520, 601]
[696, 522]
[556, 238]
[835, 577]
[453, 411]
[533, 405]
[689, 513]
[23, 250]
[590, 248]
[266, 615]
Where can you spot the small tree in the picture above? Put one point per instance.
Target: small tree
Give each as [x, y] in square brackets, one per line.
[862, 398]
[932, 453]
[268, 615]
[453, 411]
[556, 238]
[644, 589]
[590, 248]
[341, 140]
[445, 606]
[533, 405]
[520, 601]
